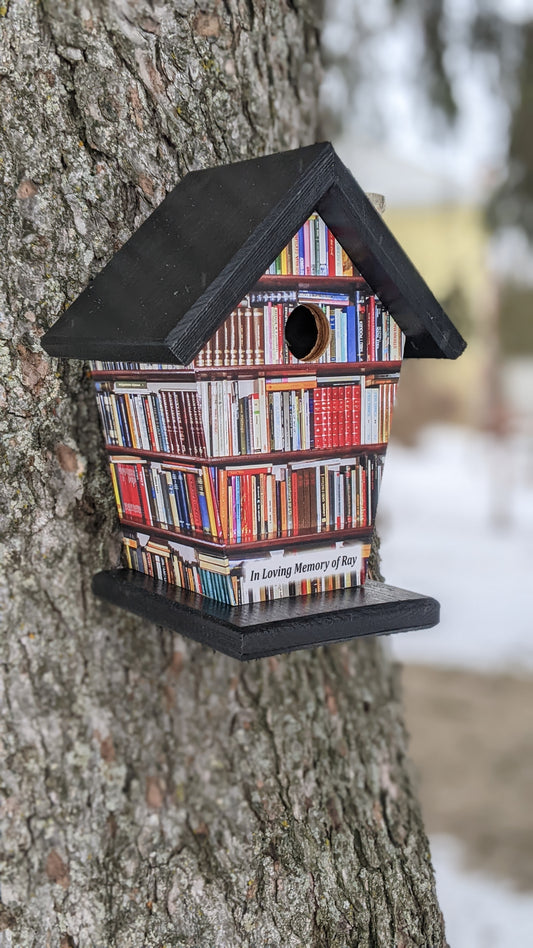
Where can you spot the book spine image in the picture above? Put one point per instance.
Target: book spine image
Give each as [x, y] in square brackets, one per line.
[212, 462]
[162, 420]
[252, 579]
[183, 566]
[289, 415]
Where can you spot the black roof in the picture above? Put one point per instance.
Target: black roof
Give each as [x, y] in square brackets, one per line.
[166, 291]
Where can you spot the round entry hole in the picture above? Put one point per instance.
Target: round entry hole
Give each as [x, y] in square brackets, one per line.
[307, 332]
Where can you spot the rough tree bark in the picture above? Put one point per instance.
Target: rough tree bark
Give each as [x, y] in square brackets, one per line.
[154, 793]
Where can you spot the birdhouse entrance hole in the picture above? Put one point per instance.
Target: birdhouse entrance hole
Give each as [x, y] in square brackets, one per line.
[307, 332]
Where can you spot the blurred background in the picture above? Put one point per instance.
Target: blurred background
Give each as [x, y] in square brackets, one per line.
[430, 102]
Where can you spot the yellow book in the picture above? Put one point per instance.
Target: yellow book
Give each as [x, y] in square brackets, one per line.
[347, 265]
[115, 488]
[295, 257]
[285, 386]
[127, 554]
[222, 493]
[214, 523]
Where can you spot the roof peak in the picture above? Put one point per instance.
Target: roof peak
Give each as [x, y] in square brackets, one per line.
[166, 291]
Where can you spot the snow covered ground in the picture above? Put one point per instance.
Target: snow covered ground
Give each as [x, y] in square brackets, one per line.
[478, 911]
[456, 522]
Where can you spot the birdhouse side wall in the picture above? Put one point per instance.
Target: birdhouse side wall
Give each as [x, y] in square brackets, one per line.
[254, 474]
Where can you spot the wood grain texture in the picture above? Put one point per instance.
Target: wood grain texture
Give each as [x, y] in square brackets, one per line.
[263, 629]
[154, 793]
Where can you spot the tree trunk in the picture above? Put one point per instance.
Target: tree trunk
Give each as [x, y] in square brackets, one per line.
[154, 793]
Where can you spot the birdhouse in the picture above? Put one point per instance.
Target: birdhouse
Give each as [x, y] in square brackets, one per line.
[246, 346]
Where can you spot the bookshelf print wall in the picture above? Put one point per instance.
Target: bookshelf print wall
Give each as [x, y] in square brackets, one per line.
[250, 475]
[247, 463]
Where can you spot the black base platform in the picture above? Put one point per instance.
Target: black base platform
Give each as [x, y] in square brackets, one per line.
[269, 628]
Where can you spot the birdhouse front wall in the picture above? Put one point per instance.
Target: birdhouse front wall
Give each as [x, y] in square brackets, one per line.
[254, 473]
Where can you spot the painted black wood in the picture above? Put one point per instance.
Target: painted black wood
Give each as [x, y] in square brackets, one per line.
[261, 629]
[166, 291]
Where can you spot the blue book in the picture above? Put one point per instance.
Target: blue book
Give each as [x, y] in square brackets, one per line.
[357, 307]
[351, 334]
[204, 511]
[184, 500]
[181, 523]
[361, 315]
[301, 252]
[205, 578]
[162, 426]
[125, 439]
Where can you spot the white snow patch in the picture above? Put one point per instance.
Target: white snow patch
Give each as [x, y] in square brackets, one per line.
[479, 912]
[438, 517]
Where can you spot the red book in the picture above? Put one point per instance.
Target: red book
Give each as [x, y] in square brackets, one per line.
[175, 426]
[179, 419]
[356, 414]
[331, 253]
[194, 503]
[193, 418]
[129, 491]
[313, 521]
[149, 425]
[187, 400]
[317, 421]
[143, 495]
[343, 411]
[302, 478]
[371, 329]
[294, 499]
[348, 410]
[147, 564]
[184, 412]
[327, 408]
[335, 416]
[245, 510]
[322, 423]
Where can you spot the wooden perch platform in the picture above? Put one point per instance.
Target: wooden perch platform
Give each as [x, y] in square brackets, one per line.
[261, 629]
